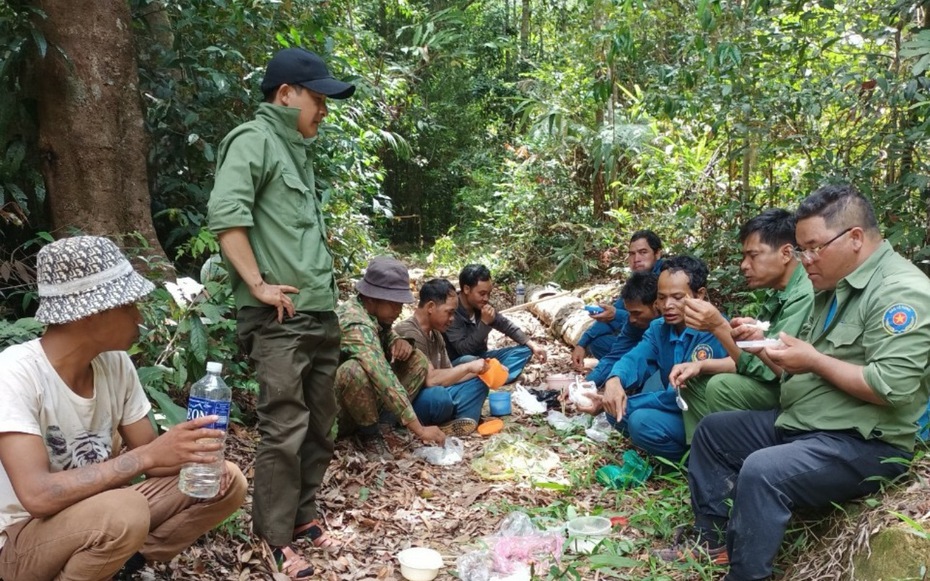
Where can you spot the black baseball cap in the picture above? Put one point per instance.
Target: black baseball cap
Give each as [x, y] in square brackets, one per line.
[298, 66]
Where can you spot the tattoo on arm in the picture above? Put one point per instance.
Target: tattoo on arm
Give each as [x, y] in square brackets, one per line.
[127, 465]
[88, 474]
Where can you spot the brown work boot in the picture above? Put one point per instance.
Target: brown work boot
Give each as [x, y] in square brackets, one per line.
[374, 447]
[459, 427]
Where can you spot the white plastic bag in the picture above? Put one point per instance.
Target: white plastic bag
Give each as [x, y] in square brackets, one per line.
[579, 392]
[527, 401]
[451, 453]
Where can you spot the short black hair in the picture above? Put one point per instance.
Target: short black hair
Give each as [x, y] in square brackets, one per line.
[774, 226]
[652, 239]
[472, 274]
[690, 265]
[641, 286]
[840, 206]
[436, 290]
[270, 93]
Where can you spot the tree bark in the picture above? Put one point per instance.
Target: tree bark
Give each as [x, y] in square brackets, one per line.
[92, 136]
[525, 29]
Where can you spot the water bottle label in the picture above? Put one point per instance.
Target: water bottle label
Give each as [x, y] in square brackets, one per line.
[198, 407]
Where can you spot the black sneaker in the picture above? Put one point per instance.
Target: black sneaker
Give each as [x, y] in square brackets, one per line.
[374, 447]
[132, 566]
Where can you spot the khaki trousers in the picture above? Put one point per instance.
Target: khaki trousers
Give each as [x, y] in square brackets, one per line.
[91, 540]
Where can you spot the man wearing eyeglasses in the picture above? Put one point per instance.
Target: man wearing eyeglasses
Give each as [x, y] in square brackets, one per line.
[853, 385]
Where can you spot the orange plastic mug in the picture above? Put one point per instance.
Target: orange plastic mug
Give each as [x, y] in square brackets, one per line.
[495, 375]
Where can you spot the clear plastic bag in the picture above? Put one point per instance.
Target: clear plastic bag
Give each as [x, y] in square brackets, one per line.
[563, 423]
[512, 549]
[600, 429]
[451, 453]
[507, 457]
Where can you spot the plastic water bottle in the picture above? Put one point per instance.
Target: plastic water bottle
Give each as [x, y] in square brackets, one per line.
[209, 396]
[521, 293]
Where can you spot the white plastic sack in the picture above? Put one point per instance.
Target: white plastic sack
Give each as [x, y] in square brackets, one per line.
[451, 453]
[579, 392]
[527, 401]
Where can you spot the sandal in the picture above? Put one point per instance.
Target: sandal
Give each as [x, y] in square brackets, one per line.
[290, 563]
[315, 533]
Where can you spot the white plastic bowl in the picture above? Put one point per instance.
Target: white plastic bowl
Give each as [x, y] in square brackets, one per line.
[560, 381]
[419, 563]
[587, 531]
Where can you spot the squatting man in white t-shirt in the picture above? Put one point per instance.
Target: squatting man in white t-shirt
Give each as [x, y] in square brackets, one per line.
[71, 401]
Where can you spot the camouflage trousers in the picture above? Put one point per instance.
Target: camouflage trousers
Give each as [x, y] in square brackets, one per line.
[360, 402]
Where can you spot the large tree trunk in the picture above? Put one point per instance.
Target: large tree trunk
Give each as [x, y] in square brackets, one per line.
[525, 29]
[91, 133]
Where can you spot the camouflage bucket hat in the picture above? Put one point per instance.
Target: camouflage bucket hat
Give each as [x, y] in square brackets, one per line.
[84, 275]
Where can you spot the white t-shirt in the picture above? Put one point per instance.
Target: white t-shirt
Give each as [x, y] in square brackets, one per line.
[77, 431]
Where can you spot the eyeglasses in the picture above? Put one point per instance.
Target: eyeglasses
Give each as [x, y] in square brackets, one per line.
[811, 254]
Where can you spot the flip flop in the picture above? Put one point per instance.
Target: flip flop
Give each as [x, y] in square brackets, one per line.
[317, 536]
[289, 562]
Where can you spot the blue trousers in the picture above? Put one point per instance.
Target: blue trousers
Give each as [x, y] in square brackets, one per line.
[437, 405]
[618, 347]
[513, 358]
[923, 425]
[654, 424]
[602, 345]
[741, 458]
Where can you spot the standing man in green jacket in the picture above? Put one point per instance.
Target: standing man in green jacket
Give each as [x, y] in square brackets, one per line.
[746, 381]
[269, 219]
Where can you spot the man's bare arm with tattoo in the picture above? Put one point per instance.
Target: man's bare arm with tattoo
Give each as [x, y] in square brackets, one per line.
[44, 493]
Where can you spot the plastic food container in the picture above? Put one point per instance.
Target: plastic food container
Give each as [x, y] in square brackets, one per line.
[419, 563]
[499, 402]
[585, 532]
[490, 427]
[560, 381]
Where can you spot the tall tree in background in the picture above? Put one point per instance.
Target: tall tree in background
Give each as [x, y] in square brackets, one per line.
[92, 138]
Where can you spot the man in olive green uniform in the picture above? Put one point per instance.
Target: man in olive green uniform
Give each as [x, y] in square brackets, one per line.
[745, 381]
[265, 209]
[853, 386]
[379, 370]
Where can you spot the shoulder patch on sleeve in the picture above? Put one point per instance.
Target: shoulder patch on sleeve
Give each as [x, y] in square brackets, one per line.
[899, 319]
[701, 352]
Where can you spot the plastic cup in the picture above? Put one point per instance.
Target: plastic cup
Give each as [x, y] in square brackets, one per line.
[499, 402]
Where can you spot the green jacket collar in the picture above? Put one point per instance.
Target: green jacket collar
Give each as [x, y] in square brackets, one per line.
[861, 276]
[284, 121]
[797, 276]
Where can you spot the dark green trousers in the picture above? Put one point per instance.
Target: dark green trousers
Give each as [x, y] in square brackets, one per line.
[707, 394]
[295, 363]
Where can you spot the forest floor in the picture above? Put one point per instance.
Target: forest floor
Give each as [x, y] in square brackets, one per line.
[377, 509]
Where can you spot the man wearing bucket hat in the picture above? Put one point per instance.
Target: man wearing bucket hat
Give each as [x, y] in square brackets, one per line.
[268, 216]
[380, 371]
[72, 400]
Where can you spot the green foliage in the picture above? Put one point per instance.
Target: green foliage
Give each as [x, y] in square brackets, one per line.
[18, 331]
[177, 340]
[22, 191]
